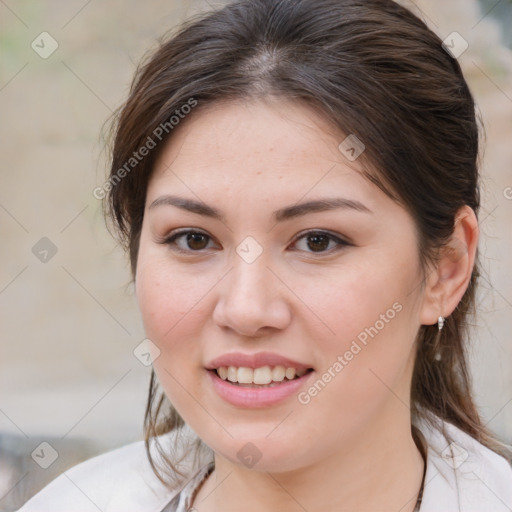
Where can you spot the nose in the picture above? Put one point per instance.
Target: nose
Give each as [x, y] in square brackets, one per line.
[251, 301]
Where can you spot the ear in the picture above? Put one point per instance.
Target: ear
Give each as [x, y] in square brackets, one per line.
[449, 278]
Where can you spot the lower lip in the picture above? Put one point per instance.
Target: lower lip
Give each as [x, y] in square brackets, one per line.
[256, 397]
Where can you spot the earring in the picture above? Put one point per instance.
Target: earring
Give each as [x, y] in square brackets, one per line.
[437, 345]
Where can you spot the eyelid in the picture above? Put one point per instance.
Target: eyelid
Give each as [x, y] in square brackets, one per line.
[169, 239]
[341, 241]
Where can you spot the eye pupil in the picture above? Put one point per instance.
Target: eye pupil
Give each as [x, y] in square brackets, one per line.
[196, 238]
[318, 242]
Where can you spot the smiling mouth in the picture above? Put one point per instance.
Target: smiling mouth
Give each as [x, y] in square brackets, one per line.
[262, 377]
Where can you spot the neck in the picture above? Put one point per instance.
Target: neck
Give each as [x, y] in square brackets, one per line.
[380, 470]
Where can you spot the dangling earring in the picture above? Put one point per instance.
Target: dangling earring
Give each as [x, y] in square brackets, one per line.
[437, 345]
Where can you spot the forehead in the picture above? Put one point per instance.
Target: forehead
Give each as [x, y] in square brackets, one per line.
[266, 148]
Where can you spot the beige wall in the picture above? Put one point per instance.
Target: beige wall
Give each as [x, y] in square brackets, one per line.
[69, 325]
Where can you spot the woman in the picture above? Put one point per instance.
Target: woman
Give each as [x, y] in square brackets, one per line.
[296, 184]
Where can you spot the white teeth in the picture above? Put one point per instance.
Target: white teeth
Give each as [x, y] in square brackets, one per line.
[245, 375]
[278, 373]
[232, 374]
[260, 376]
[290, 373]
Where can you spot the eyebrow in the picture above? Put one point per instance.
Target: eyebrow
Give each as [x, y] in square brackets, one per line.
[289, 212]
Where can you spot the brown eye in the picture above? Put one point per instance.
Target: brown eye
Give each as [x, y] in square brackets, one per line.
[197, 241]
[188, 241]
[320, 242]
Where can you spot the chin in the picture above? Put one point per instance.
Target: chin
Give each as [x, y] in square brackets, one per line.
[256, 452]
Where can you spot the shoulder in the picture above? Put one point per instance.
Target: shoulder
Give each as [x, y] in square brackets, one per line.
[119, 480]
[463, 474]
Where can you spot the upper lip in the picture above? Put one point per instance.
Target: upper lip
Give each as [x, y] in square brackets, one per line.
[254, 361]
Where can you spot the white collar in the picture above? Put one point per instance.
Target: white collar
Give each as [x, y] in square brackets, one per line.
[463, 475]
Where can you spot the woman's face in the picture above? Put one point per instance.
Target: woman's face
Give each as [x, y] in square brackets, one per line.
[265, 256]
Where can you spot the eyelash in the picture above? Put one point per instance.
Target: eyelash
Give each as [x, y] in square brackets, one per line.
[171, 241]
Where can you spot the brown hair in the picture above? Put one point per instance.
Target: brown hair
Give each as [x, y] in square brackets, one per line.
[373, 69]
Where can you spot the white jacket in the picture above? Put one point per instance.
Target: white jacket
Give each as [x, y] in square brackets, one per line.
[462, 476]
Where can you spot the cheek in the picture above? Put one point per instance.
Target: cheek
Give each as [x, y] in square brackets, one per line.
[171, 303]
[370, 323]
[172, 306]
[364, 296]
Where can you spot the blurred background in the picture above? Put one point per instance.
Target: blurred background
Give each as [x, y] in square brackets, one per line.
[70, 383]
